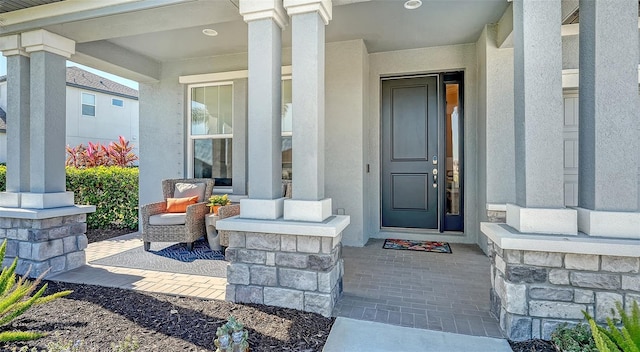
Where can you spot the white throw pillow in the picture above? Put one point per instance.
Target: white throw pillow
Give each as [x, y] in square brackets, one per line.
[184, 190]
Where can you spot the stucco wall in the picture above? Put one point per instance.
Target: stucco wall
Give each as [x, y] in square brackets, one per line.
[163, 127]
[415, 61]
[496, 177]
[344, 138]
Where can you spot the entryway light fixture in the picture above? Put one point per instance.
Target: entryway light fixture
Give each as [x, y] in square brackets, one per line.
[210, 32]
[412, 4]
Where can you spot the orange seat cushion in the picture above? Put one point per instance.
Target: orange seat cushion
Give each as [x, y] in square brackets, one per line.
[179, 205]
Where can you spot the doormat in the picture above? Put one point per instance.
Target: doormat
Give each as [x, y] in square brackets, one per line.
[175, 258]
[424, 246]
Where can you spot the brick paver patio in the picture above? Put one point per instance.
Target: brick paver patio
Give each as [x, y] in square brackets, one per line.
[140, 280]
[445, 292]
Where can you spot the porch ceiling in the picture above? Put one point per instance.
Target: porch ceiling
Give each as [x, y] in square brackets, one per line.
[172, 30]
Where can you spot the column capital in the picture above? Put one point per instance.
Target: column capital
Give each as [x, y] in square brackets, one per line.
[323, 7]
[10, 45]
[42, 40]
[252, 10]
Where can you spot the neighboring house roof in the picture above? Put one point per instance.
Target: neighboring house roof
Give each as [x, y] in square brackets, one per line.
[79, 78]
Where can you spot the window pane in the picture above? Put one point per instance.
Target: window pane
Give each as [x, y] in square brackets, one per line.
[287, 107]
[88, 110]
[453, 150]
[89, 99]
[212, 110]
[286, 158]
[212, 159]
[117, 102]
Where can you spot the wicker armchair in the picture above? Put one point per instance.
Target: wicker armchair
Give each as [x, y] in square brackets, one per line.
[187, 230]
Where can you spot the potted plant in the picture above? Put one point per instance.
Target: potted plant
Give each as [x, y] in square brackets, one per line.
[215, 202]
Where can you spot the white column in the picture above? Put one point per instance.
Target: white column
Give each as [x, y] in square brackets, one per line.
[265, 20]
[48, 52]
[18, 121]
[308, 20]
[538, 118]
[609, 106]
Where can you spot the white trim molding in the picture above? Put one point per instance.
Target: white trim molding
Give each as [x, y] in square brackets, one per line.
[542, 220]
[501, 235]
[610, 224]
[42, 40]
[322, 7]
[10, 46]
[222, 76]
[252, 10]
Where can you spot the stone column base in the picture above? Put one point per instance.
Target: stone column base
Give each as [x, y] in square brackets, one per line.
[540, 220]
[266, 209]
[307, 210]
[539, 282]
[51, 241]
[298, 267]
[609, 223]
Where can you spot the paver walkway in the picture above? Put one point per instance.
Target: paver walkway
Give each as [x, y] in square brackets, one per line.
[435, 291]
[140, 280]
[443, 292]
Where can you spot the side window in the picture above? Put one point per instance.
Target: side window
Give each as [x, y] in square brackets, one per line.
[211, 131]
[88, 104]
[287, 115]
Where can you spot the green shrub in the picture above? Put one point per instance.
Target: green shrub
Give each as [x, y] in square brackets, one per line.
[3, 178]
[614, 339]
[114, 192]
[112, 189]
[16, 298]
[574, 338]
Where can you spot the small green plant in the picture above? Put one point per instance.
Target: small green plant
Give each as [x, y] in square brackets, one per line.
[232, 337]
[614, 339]
[219, 200]
[574, 338]
[16, 298]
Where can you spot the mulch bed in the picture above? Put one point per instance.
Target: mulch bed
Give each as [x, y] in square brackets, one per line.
[100, 316]
[536, 345]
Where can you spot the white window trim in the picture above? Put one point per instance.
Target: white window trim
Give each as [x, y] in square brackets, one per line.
[191, 138]
[95, 104]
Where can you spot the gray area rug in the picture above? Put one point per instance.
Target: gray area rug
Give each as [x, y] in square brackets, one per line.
[173, 258]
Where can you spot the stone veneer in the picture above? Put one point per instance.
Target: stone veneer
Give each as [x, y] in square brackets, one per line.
[533, 292]
[56, 244]
[302, 272]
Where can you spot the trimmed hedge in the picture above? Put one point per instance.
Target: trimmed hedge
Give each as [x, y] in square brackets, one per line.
[112, 189]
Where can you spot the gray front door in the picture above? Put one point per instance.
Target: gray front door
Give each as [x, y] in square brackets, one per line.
[410, 152]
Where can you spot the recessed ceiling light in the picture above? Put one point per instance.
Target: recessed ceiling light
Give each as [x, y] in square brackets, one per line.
[210, 32]
[412, 4]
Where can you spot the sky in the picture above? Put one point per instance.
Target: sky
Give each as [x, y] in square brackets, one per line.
[123, 81]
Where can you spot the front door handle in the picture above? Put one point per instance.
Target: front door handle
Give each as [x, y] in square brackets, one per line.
[434, 172]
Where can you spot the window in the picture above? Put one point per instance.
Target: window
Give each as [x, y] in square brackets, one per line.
[88, 104]
[211, 131]
[287, 114]
[117, 102]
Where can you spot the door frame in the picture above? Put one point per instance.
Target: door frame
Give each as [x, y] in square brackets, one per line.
[442, 78]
